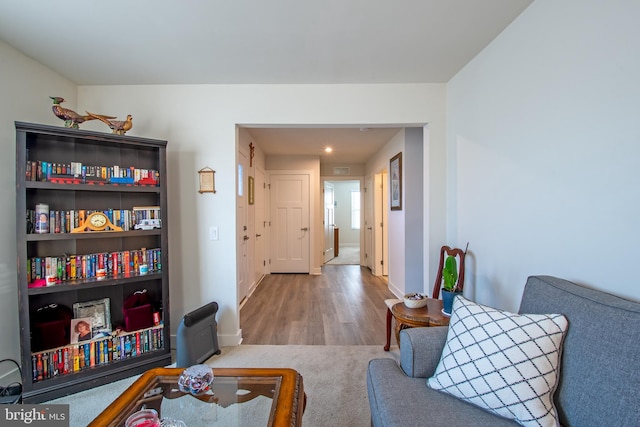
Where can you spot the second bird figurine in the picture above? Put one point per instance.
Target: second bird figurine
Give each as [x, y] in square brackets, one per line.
[119, 127]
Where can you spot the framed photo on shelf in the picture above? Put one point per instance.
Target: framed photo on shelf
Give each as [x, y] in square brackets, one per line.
[395, 182]
[99, 313]
[81, 330]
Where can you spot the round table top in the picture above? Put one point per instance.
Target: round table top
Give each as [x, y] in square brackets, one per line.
[429, 315]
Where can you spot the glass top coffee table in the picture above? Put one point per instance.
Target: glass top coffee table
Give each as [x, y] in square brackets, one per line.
[238, 397]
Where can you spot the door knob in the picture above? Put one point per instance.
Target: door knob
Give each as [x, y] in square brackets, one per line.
[258, 235]
[246, 237]
[305, 229]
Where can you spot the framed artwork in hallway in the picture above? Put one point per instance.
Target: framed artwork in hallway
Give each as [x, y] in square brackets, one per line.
[395, 184]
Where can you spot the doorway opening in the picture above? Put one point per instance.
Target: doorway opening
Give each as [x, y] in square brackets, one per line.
[343, 219]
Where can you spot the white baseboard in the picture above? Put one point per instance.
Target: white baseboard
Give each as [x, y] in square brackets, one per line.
[224, 340]
[227, 340]
[394, 290]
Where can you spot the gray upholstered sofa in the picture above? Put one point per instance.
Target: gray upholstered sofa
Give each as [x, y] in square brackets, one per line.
[599, 373]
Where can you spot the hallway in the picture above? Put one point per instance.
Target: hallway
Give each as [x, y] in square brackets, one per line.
[347, 255]
[343, 306]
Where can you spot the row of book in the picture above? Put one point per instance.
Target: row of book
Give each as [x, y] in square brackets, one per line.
[61, 221]
[102, 351]
[77, 173]
[110, 264]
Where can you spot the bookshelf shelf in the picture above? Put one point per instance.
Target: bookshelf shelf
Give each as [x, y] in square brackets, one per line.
[117, 188]
[74, 285]
[89, 266]
[92, 235]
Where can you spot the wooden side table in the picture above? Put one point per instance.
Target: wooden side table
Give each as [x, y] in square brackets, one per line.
[429, 315]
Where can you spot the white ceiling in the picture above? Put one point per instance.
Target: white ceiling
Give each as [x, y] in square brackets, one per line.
[124, 42]
[349, 144]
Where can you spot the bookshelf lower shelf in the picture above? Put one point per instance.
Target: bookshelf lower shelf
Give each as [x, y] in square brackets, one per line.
[94, 377]
[56, 371]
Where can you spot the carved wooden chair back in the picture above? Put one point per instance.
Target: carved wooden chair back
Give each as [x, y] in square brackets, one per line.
[446, 251]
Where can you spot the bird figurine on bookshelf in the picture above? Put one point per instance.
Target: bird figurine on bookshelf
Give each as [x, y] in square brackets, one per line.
[119, 127]
[70, 117]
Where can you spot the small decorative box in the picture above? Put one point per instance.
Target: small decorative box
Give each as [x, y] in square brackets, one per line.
[196, 379]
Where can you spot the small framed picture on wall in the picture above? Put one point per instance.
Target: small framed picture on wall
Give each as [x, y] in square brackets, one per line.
[395, 182]
[250, 191]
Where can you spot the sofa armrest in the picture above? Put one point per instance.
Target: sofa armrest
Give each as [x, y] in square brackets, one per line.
[420, 350]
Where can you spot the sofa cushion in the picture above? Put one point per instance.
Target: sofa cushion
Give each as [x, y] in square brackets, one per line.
[397, 400]
[504, 362]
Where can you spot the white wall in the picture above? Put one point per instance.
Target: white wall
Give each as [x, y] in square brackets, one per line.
[544, 149]
[395, 227]
[25, 87]
[378, 163]
[200, 121]
[413, 211]
[409, 259]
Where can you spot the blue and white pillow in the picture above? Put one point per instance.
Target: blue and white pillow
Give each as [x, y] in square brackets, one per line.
[503, 362]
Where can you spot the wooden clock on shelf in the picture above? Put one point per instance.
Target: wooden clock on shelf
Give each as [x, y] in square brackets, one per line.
[97, 221]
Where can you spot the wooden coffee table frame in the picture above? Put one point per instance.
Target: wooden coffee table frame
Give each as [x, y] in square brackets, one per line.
[430, 315]
[290, 399]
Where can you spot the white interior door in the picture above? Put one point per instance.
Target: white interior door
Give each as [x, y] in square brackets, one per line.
[377, 225]
[260, 226]
[368, 223]
[385, 222]
[380, 233]
[242, 232]
[329, 221]
[290, 228]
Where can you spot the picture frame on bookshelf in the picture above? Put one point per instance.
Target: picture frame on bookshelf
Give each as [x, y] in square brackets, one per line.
[81, 330]
[99, 312]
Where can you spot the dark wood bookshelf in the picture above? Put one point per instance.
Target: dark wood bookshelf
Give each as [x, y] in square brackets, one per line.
[43, 143]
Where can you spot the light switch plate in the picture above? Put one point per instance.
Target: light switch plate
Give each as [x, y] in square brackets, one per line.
[213, 233]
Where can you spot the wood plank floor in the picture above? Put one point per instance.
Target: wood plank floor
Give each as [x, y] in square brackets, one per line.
[343, 306]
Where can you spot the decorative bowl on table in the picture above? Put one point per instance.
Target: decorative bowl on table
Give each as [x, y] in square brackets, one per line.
[195, 379]
[415, 300]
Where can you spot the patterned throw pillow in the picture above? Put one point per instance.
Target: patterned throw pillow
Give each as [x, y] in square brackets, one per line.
[503, 362]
